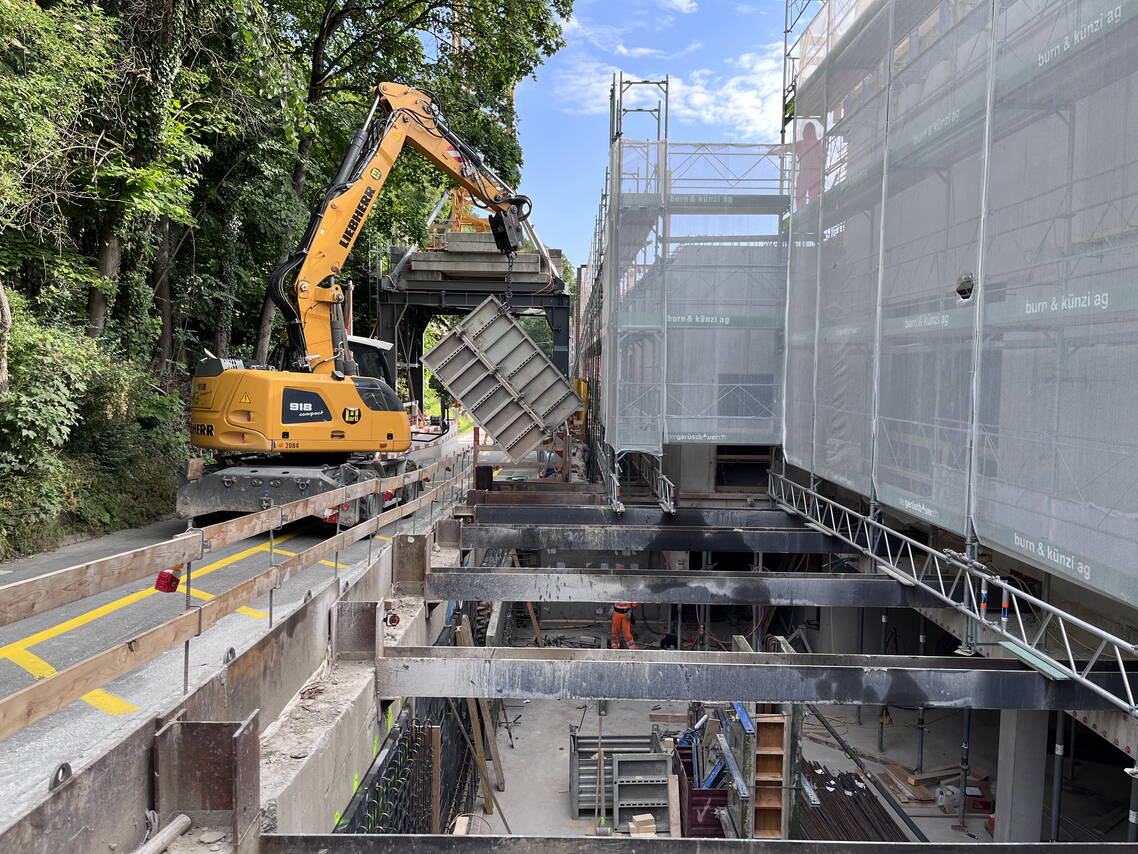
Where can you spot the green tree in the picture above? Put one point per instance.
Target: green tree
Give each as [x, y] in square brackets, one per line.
[156, 159]
[471, 53]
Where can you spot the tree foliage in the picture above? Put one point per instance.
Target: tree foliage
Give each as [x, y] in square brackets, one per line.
[156, 160]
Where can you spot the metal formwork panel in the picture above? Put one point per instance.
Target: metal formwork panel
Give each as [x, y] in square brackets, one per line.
[583, 752]
[496, 371]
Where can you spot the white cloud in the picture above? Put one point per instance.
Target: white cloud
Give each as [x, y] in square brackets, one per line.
[746, 100]
[638, 51]
[601, 36]
[684, 6]
[583, 86]
[654, 52]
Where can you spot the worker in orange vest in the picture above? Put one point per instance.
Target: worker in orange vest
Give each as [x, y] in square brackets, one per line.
[622, 625]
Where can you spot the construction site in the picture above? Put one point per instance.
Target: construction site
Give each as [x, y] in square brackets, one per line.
[812, 530]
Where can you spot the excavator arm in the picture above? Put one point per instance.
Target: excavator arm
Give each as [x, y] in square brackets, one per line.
[314, 308]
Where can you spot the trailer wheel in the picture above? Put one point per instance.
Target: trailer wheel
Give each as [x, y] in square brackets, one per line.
[411, 491]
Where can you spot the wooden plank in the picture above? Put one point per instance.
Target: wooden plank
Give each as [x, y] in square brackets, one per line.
[533, 622]
[479, 757]
[934, 775]
[22, 599]
[667, 718]
[674, 827]
[41, 698]
[397, 480]
[234, 530]
[911, 791]
[466, 638]
[436, 779]
[329, 547]
[529, 607]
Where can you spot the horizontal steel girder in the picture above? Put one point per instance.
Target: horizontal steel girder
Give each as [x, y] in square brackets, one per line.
[477, 497]
[540, 513]
[551, 584]
[359, 843]
[789, 540]
[560, 674]
[467, 295]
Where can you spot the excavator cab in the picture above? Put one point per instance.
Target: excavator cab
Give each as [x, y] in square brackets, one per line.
[368, 353]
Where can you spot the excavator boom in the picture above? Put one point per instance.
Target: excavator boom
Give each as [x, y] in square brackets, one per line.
[319, 403]
[412, 119]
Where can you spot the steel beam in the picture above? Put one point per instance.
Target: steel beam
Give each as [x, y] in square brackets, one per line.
[552, 584]
[477, 497]
[539, 513]
[464, 296]
[360, 843]
[211, 768]
[536, 487]
[410, 558]
[789, 540]
[878, 680]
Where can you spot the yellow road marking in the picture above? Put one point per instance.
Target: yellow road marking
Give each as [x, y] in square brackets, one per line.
[381, 537]
[94, 614]
[248, 612]
[40, 669]
[325, 562]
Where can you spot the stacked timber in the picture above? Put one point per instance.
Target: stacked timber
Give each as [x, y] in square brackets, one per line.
[846, 808]
[472, 256]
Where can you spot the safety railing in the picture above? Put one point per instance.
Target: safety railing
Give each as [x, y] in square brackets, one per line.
[967, 586]
[649, 469]
[45, 696]
[609, 469]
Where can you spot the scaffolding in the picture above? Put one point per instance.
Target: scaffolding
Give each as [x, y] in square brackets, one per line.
[684, 318]
[962, 321]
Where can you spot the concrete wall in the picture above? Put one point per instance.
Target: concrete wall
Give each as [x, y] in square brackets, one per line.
[690, 467]
[327, 742]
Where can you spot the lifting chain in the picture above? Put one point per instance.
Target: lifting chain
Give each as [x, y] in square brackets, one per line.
[508, 294]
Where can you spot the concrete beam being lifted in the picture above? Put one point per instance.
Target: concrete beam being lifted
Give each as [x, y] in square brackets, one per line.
[551, 584]
[560, 674]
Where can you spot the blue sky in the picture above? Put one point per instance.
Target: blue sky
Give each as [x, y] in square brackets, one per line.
[725, 62]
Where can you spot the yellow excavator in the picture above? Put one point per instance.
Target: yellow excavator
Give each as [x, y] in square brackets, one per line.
[332, 410]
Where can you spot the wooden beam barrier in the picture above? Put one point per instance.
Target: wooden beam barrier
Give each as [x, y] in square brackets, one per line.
[22, 599]
[45, 696]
